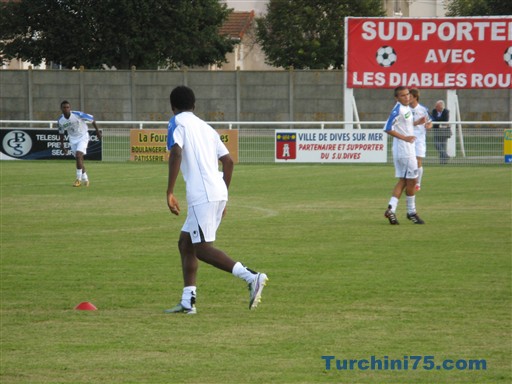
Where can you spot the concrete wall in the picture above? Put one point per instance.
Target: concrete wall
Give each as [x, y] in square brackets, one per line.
[221, 96]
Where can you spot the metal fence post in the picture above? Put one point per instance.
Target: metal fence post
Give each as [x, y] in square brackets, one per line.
[81, 88]
[133, 93]
[30, 79]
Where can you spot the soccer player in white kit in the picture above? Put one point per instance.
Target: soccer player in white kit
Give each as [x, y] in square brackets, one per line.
[74, 123]
[420, 131]
[196, 149]
[400, 125]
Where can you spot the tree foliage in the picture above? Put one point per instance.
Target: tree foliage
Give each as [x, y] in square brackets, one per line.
[120, 33]
[478, 7]
[309, 34]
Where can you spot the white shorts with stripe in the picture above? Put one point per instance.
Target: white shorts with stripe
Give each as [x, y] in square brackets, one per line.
[203, 220]
[79, 145]
[406, 167]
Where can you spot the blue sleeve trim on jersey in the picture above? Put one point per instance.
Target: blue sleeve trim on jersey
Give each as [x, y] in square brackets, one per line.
[392, 117]
[170, 132]
[429, 116]
[83, 115]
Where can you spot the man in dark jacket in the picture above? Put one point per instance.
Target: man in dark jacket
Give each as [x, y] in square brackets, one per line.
[442, 132]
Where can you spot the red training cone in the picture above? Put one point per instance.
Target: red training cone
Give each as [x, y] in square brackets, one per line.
[86, 306]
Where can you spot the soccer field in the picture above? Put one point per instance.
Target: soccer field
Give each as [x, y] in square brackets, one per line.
[434, 299]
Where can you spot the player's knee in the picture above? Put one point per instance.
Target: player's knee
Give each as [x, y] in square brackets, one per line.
[203, 250]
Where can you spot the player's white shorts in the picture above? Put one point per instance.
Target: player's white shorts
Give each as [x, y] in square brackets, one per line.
[203, 220]
[79, 145]
[406, 168]
[420, 145]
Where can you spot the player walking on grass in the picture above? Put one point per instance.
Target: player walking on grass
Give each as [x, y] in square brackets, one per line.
[74, 123]
[420, 131]
[400, 125]
[196, 149]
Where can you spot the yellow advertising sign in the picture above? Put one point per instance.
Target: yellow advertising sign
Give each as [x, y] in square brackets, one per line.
[148, 145]
[151, 144]
[230, 139]
[507, 146]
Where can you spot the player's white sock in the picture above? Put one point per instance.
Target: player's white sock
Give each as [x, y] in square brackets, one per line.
[78, 174]
[189, 292]
[394, 203]
[420, 175]
[411, 204]
[84, 176]
[240, 271]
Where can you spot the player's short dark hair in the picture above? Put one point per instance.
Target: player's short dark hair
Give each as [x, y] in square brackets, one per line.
[183, 98]
[64, 102]
[399, 89]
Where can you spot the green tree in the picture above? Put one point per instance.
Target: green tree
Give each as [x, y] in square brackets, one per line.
[120, 33]
[309, 34]
[478, 7]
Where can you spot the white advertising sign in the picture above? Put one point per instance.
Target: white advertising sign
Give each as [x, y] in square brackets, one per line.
[331, 146]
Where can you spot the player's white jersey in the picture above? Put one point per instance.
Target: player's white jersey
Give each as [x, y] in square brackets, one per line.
[401, 120]
[75, 126]
[202, 148]
[420, 131]
[418, 112]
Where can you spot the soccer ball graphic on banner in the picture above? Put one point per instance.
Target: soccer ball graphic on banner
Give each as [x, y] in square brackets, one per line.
[386, 56]
[507, 56]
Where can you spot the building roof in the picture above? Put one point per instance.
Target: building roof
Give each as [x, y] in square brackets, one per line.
[237, 24]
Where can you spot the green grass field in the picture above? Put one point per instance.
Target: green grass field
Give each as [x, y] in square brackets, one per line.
[343, 282]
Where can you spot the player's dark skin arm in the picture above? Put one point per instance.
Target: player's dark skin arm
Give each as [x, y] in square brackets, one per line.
[98, 132]
[174, 169]
[227, 170]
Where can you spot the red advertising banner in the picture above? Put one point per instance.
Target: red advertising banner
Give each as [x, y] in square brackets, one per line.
[448, 53]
